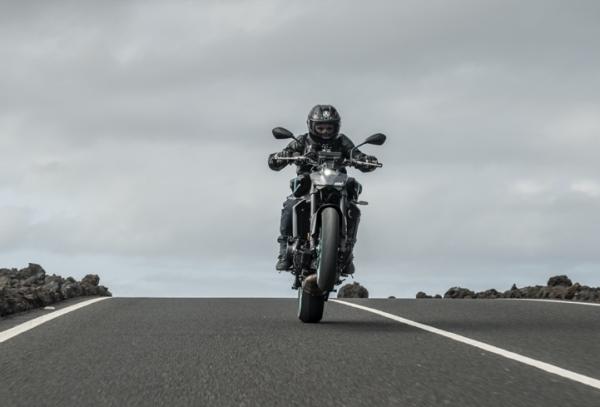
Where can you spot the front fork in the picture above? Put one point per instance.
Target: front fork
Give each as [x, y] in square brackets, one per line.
[315, 220]
[342, 209]
[306, 228]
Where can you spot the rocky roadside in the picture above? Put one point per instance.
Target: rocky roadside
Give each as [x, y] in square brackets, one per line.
[558, 287]
[31, 287]
[354, 290]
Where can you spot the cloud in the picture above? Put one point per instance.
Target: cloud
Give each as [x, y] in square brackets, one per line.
[140, 131]
[587, 187]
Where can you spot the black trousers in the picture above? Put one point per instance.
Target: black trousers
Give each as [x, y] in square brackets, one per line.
[286, 224]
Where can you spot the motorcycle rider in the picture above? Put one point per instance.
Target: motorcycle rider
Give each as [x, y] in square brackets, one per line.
[323, 133]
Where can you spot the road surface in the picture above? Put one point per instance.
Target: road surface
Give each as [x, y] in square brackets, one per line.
[255, 352]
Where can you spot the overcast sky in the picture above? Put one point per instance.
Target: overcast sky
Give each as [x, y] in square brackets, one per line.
[134, 137]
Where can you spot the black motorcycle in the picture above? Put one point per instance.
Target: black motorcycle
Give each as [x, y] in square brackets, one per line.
[318, 248]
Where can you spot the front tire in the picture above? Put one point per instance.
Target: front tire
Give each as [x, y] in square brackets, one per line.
[329, 242]
[310, 307]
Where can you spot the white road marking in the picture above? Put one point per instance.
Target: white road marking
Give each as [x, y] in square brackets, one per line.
[593, 304]
[547, 367]
[32, 323]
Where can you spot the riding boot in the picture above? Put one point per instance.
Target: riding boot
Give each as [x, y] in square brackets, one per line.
[283, 260]
[349, 268]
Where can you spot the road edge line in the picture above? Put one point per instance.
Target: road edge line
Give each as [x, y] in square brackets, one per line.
[592, 304]
[32, 323]
[547, 367]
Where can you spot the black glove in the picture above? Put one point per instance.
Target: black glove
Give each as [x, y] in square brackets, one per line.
[276, 164]
[369, 159]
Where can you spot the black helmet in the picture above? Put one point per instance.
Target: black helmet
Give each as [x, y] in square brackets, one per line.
[323, 123]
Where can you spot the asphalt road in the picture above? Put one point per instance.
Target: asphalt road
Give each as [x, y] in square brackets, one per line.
[254, 352]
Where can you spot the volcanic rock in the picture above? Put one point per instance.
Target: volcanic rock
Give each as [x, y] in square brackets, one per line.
[91, 279]
[559, 287]
[559, 281]
[354, 290]
[459, 292]
[491, 293]
[30, 287]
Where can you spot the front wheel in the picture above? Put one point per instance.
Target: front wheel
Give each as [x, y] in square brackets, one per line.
[327, 249]
[310, 306]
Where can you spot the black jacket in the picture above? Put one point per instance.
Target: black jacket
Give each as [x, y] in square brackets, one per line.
[306, 144]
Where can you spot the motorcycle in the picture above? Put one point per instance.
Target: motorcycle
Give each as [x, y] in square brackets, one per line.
[319, 249]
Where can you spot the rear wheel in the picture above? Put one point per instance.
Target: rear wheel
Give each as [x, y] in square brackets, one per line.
[327, 251]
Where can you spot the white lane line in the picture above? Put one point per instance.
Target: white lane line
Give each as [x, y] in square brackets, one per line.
[547, 367]
[593, 304]
[32, 323]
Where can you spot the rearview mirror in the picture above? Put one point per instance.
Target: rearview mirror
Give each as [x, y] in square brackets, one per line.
[280, 133]
[377, 139]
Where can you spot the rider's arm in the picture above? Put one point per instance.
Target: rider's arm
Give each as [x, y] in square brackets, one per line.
[357, 155]
[288, 151]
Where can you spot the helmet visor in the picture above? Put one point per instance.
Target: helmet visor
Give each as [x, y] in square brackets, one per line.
[326, 130]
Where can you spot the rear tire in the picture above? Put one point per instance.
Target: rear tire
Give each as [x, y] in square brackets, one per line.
[310, 307]
[329, 242]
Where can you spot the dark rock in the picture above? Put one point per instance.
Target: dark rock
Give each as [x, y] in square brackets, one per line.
[4, 281]
[391, 297]
[54, 277]
[52, 291]
[103, 291]
[459, 292]
[70, 290]
[354, 290]
[437, 296]
[31, 274]
[531, 292]
[4, 272]
[90, 279]
[491, 294]
[13, 300]
[89, 289]
[43, 297]
[553, 292]
[89, 285]
[561, 280]
[572, 291]
[559, 287]
[586, 293]
[514, 292]
[31, 287]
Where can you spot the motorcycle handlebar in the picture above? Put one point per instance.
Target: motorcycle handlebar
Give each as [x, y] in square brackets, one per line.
[297, 158]
[368, 164]
[351, 163]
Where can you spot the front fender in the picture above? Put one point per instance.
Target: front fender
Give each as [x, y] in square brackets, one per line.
[316, 220]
